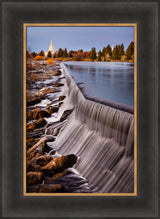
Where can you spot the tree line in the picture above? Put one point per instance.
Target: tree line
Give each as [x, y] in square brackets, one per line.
[106, 54]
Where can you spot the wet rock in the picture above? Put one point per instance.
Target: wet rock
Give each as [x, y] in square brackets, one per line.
[45, 148]
[41, 143]
[30, 126]
[60, 104]
[66, 114]
[47, 90]
[47, 188]
[57, 72]
[36, 163]
[38, 113]
[61, 98]
[54, 129]
[58, 85]
[61, 163]
[40, 123]
[57, 176]
[31, 100]
[34, 178]
[33, 154]
[54, 109]
[43, 160]
[48, 125]
[43, 113]
[36, 133]
[30, 142]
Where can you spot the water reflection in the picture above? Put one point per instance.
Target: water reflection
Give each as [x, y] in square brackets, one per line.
[113, 81]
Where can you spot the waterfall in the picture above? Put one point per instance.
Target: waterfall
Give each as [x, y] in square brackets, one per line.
[103, 138]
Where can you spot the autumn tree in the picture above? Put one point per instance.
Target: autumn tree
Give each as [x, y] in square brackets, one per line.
[78, 56]
[93, 54]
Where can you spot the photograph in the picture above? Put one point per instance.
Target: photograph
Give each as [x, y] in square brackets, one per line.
[80, 107]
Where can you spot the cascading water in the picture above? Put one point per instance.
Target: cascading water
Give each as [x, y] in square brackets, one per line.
[103, 138]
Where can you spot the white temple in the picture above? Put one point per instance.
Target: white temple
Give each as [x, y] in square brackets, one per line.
[51, 48]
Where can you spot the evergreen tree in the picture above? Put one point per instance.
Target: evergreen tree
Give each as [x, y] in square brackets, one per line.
[130, 50]
[109, 50]
[41, 53]
[70, 54]
[93, 54]
[33, 54]
[121, 50]
[49, 54]
[65, 54]
[60, 53]
[100, 55]
[27, 54]
[115, 54]
[104, 51]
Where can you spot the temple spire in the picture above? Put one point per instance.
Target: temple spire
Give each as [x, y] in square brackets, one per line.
[51, 47]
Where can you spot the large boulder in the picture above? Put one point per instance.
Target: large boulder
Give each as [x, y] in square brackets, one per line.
[61, 163]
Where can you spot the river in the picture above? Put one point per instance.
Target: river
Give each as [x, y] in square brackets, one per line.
[111, 81]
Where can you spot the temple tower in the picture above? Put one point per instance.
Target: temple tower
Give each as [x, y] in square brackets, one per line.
[51, 48]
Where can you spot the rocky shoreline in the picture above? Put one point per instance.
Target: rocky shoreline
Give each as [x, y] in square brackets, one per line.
[46, 170]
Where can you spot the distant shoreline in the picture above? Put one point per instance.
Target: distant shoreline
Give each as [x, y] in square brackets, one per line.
[83, 60]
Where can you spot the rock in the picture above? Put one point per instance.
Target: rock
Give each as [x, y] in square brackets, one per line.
[45, 148]
[43, 113]
[36, 133]
[30, 142]
[61, 163]
[55, 128]
[57, 176]
[41, 143]
[61, 98]
[36, 163]
[58, 85]
[66, 114]
[31, 100]
[38, 113]
[30, 126]
[40, 123]
[60, 104]
[34, 178]
[47, 90]
[48, 125]
[33, 154]
[47, 188]
[54, 109]
[57, 72]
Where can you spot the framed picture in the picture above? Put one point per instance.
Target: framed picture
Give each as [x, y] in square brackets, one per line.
[105, 115]
[80, 116]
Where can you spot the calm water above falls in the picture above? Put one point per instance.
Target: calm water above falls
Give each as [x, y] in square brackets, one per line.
[113, 81]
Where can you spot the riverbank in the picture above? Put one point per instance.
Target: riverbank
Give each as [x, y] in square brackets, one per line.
[47, 170]
[75, 145]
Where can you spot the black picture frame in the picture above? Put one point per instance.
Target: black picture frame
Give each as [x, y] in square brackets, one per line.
[14, 15]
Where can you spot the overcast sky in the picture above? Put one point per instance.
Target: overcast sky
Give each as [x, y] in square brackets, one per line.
[74, 38]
